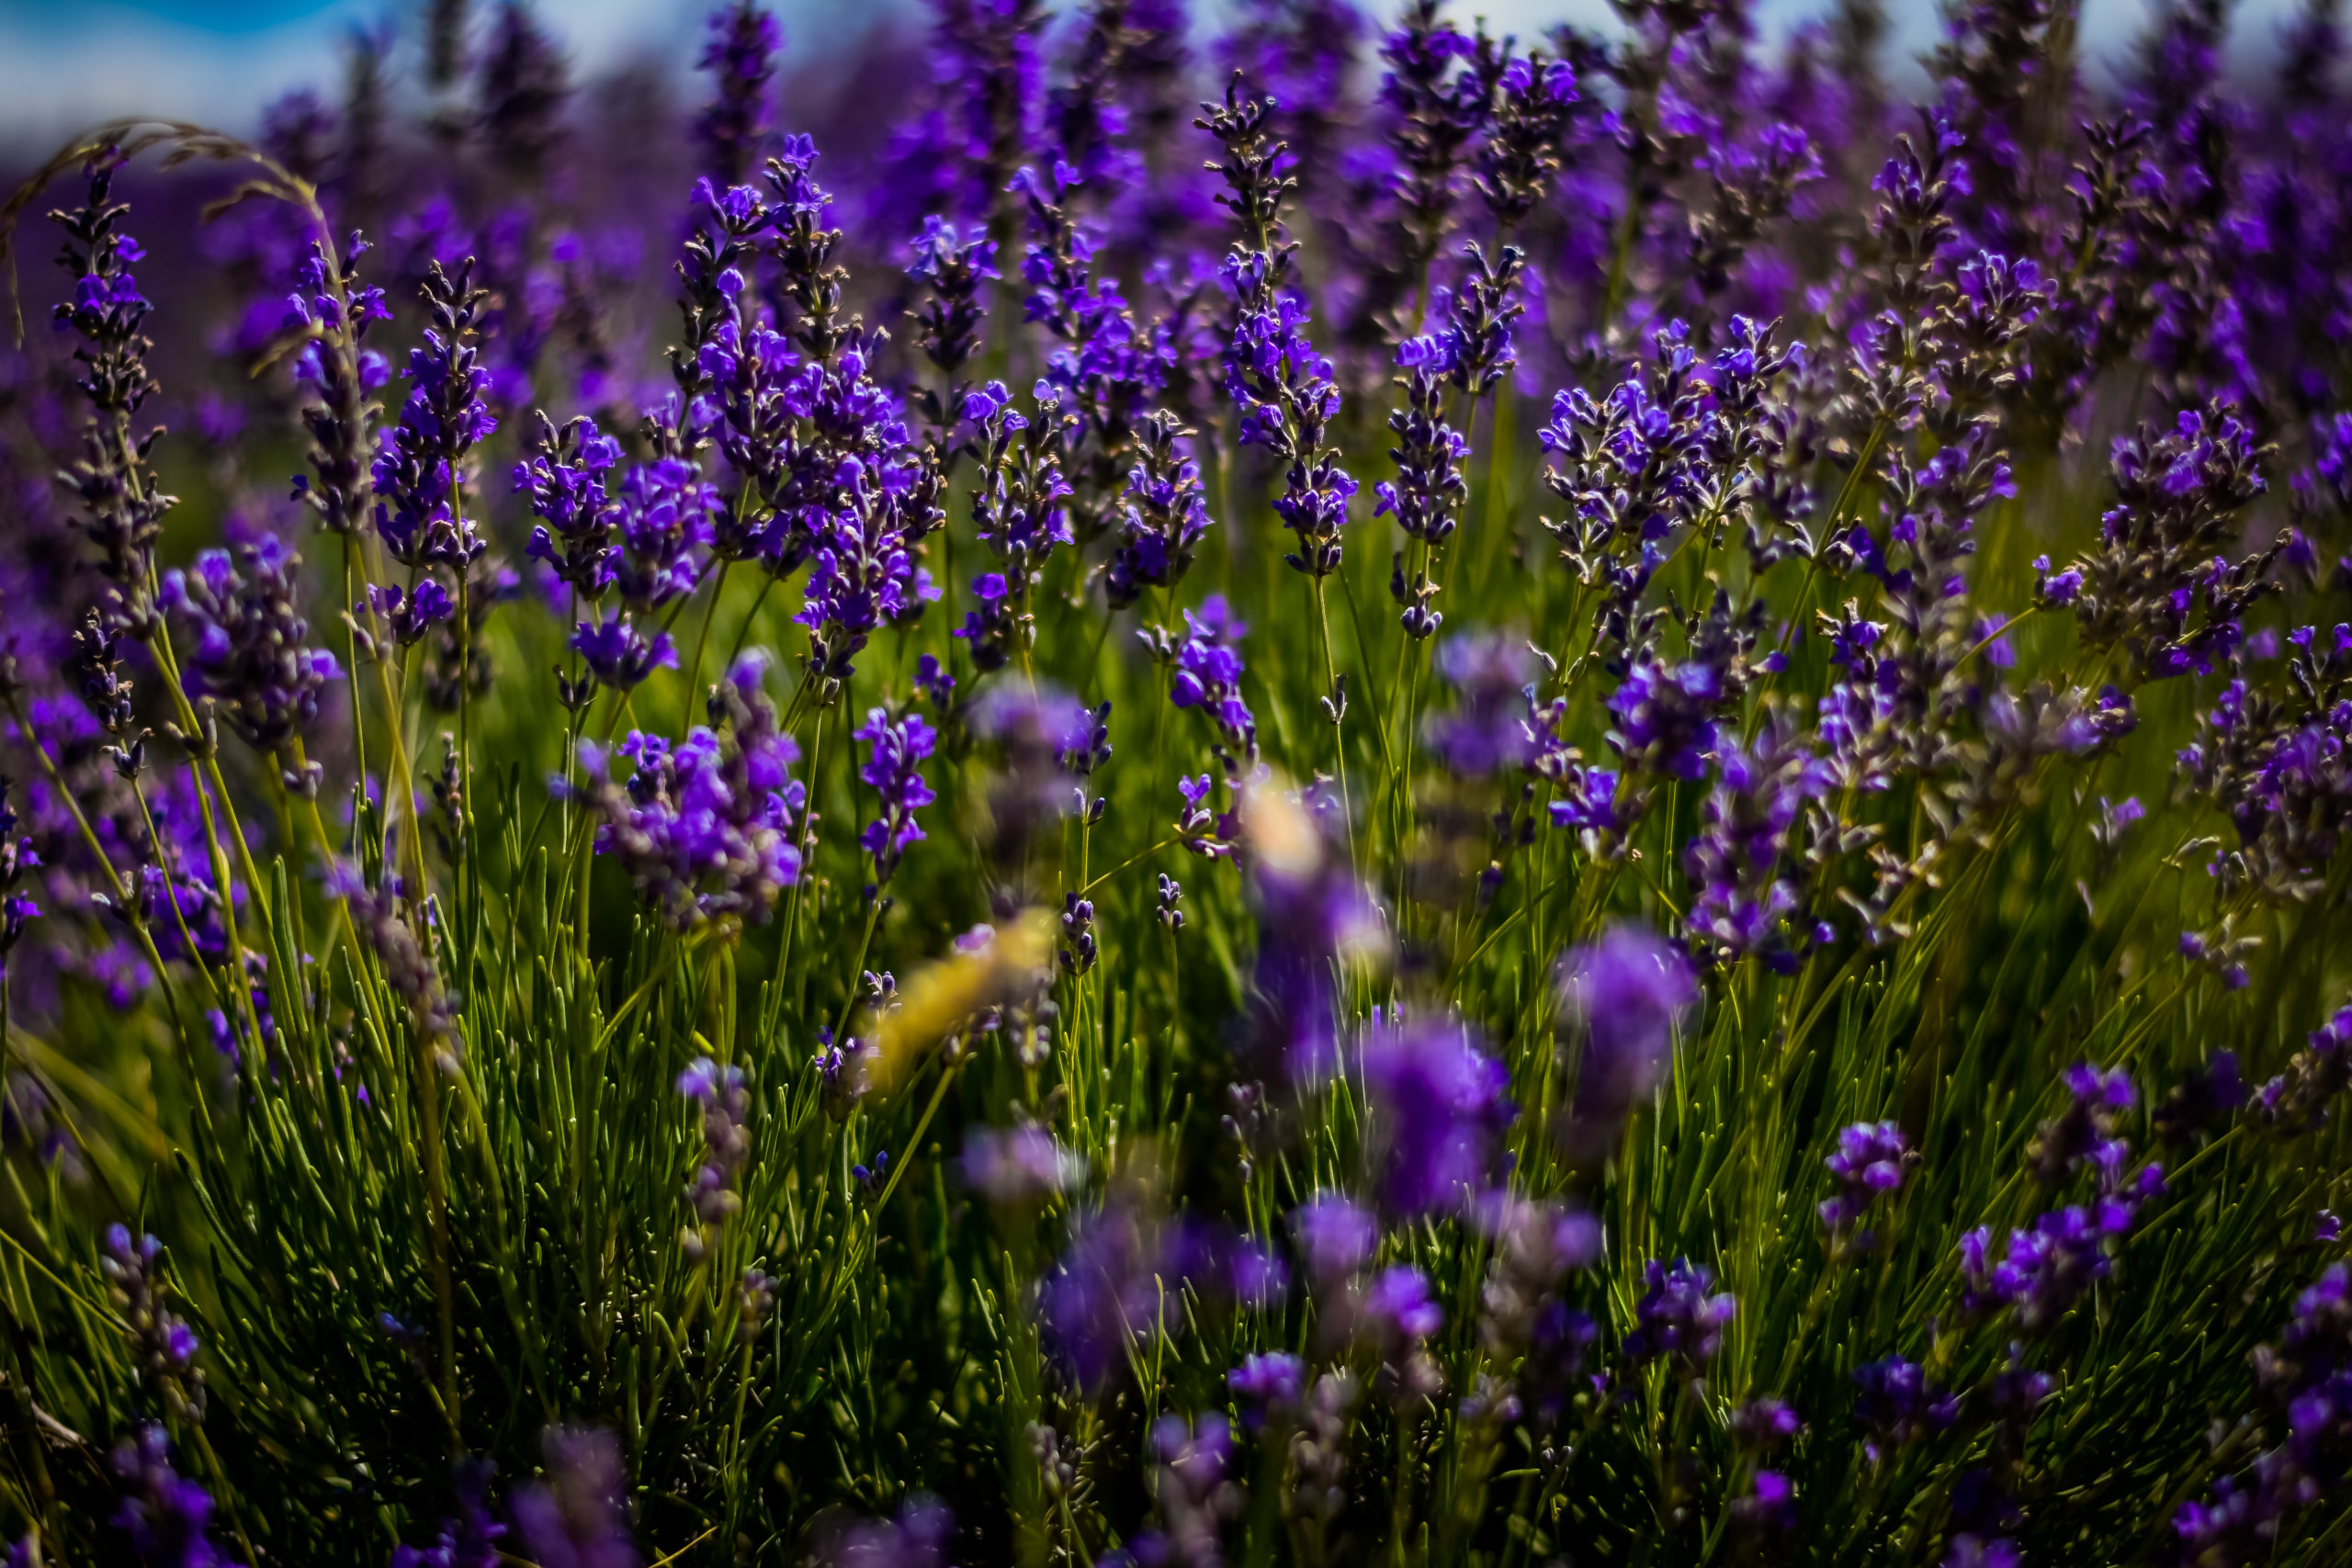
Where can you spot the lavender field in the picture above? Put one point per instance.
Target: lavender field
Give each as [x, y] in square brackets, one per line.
[1083, 785]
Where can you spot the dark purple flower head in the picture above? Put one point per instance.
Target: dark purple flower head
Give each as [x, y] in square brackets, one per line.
[420, 472]
[1628, 995]
[893, 769]
[578, 1515]
[1869, 1163]
[2085, 1134]
[706, 829]
[1681, 1315]
[471, 1538]
[250, 655]
[1763, 1423]
[1206, 671]
[1165, 514]
[165, 1344]
[1895, 1404]
[167, 1517]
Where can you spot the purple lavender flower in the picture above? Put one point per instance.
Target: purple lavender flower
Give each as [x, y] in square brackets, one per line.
[704, 829]
[1019, 1165]
[122, 511]
[1282, 388]
[1518, 158]
[421, 470]
[894, 771]
[949, 319]
[1487, 732]
[1109, 1287]
[1165, 516]
[2158, 585]
[1018, 512]
[1628, 993]
[1896, 1406]
[725, 1099]
[566, 478]
[250, 656]
[619, 655]
[2085, 1134]
[1740, 900]
[1196, 1500]
[1869, 1164]
[1267, 1387]
[467, 1541]
[1429, 492]
[917, 1537]
[578, 1516]
[167, 1516]
[1681, 1315]
[735, 127]
[1334, 1237]
[166, 1344]
[1206, 671]
[1438, 1113]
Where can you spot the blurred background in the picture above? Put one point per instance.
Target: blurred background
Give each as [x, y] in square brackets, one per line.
[64, 63]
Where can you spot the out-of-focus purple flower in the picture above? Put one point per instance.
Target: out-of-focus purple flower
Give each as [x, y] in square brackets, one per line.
[1196, 1500]
[1438, 1113]
[725, 1100]
[1111, 1287]
[470, 1540]
[578, 1515]
[1627, 994]
[1267, 1387]
[737, 124]
[167, 1516]
[1334, 1237]
[1487, 732]
[1763, 1423]
[1019, 1165]
[917, 1537]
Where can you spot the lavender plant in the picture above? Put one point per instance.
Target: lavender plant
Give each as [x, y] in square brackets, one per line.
[790, 902]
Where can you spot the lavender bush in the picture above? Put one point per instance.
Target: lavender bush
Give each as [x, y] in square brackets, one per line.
[1282, 790]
